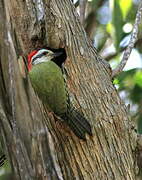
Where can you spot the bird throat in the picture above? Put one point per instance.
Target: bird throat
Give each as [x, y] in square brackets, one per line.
[41, 60]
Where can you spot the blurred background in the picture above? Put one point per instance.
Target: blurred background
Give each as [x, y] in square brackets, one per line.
[108, 23]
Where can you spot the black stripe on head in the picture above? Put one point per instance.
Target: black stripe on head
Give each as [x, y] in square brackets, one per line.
[39, 56]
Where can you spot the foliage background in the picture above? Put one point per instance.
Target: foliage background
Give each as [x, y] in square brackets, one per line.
[108, 23]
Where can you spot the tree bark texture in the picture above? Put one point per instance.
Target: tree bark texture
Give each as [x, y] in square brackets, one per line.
[38, 146]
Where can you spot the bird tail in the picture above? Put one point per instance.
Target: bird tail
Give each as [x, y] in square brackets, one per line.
[78, 124]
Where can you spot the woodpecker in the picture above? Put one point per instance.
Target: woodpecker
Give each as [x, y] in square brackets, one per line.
[48, 82]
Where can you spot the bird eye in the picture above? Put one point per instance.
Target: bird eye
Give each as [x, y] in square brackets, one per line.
[44, 53]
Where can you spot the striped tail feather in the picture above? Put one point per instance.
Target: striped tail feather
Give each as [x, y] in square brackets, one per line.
[78, 124]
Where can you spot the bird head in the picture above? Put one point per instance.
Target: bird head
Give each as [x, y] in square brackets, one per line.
[41, 55]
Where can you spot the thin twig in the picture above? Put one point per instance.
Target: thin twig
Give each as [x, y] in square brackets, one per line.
[131, 44]
[77, 4]
[82, 6]
[108, 57]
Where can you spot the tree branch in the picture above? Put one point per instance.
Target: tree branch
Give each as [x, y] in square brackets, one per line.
[82, 5]
[113, 55]
[139, 151]
[77, 4]
[131, 44]
[91, 21]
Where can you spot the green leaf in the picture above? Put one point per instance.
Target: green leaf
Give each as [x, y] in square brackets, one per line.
[95, 3]
[125, 6]
[116, 23]
[138, 78]
[115, 81]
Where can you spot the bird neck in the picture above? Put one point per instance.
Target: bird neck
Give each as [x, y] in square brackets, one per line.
[41, 60]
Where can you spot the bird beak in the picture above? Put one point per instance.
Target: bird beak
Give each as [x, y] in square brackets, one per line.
[56, 54]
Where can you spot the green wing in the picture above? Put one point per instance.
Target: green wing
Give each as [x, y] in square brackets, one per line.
[47, 80]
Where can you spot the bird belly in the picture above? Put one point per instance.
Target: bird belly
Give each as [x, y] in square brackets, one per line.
[48, 82]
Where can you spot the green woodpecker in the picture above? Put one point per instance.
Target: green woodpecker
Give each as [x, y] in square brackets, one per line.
[48, 82]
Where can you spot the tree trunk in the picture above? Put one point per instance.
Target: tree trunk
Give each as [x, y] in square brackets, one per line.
[38, 146]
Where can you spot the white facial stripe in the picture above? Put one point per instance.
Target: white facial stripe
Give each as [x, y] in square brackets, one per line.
[40, 60]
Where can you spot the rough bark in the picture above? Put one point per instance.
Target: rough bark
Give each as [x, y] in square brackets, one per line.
[38, 146]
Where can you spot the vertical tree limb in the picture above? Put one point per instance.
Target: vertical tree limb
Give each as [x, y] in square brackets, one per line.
[82, 6]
